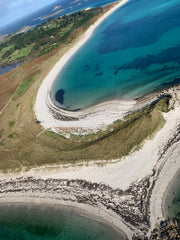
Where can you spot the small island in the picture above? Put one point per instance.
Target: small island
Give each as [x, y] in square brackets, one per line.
[50, 15]
[56, 7]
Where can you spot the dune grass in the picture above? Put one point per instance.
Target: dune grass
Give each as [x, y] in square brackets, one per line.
[117, 141]
[13, 135]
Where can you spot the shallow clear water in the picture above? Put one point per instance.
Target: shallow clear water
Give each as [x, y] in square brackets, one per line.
[173, 200]
[135, 51]
[27, 222]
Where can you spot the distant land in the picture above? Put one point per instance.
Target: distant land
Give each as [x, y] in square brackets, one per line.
[56, 7]
[51, 15]
[3, 36]
[40, 16]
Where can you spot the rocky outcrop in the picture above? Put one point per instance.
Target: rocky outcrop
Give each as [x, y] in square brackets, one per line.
[167, 230]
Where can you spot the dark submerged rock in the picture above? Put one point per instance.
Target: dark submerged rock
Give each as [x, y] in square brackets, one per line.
[60, 96]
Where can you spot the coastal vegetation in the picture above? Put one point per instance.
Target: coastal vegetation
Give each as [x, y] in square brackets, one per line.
[27, 145]
[44, 38]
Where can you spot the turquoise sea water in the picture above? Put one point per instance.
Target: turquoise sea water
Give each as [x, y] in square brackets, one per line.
[135, 51]
[20, 222]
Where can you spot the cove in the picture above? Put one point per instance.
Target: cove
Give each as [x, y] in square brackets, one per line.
[39, 222]
[134, 52]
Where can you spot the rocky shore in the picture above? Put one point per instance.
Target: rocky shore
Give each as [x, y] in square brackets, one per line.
[166, 230]
[130, 205]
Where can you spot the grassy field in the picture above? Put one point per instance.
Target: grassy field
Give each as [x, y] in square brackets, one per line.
[20, 53]
[67, 30]
[45, 37]
[4, 50]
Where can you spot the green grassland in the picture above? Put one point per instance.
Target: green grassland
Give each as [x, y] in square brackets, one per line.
[44, 38]
[5, 49]
[19, 54]
[66, 31]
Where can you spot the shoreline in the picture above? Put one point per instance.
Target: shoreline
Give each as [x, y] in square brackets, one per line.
[169, 168]
[96, 213]
[79, 210]
[129, 192]
[169, 192]
[91, 119]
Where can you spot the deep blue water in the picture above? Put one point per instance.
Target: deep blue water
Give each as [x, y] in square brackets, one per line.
[68, 6]
[135, 51]
[26, 222]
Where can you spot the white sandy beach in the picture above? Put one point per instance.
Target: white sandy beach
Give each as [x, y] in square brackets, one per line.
[166, 176]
